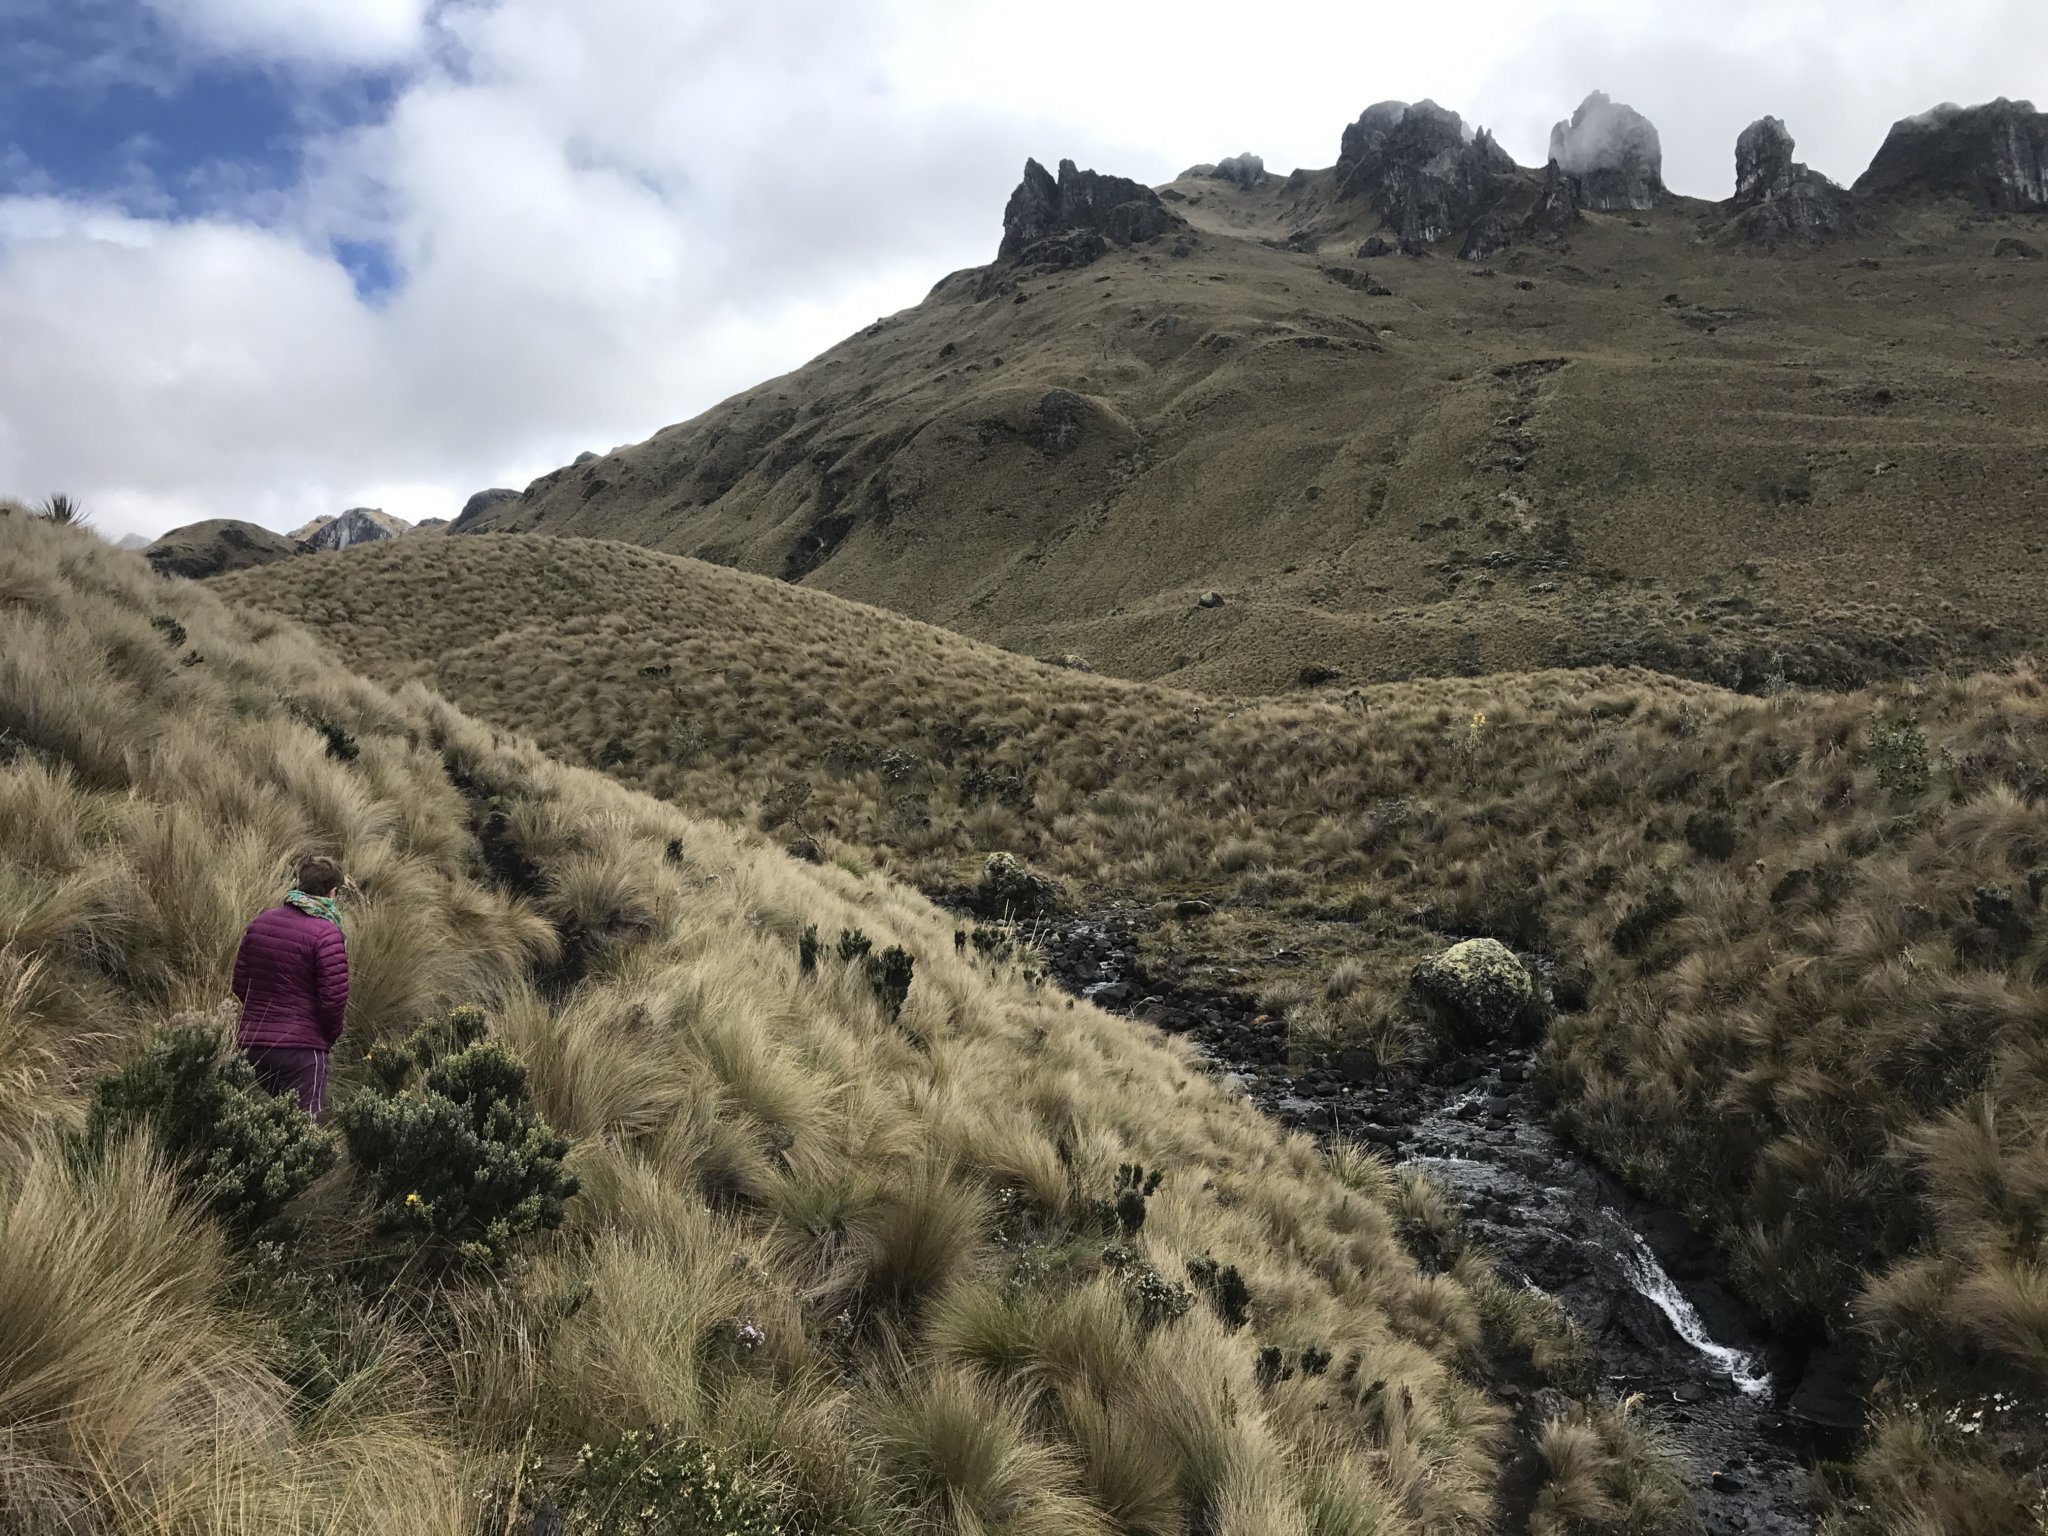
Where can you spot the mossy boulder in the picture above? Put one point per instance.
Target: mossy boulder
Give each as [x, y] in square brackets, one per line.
[1010, 889]
[1479, 992]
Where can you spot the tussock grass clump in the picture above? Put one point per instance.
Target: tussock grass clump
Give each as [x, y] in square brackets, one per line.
[848, 1257]
[1794, 948]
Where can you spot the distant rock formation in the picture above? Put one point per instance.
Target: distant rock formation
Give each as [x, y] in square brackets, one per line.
[1996, 155]
[1557, 206]
[1072, 221]
[1246, 170]
[217, 546]
[480, 505]
[1777, 199]
[1763, 162]
[1425, 174]
[358, 525]
[1614, 154]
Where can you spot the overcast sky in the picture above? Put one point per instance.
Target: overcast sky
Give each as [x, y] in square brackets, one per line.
[269, 258]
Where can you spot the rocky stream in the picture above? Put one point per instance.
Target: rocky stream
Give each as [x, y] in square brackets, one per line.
[1635, 1276]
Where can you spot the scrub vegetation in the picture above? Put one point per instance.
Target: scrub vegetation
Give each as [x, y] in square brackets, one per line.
[794, 1252]
[1795, 947]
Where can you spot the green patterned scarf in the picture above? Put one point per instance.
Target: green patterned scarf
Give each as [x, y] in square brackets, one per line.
[314, 906]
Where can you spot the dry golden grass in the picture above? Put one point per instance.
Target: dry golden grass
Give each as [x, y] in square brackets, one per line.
[757, 1146]
[1801, 943]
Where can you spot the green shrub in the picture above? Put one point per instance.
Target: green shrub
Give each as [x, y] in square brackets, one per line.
[1154, 1299]
[1225, 1288]
[645, 1483]
[1124, 1208]
[245, 1154]
[888, 974]
[1641, 922]
[1896, 747]
[461, 1161]
[1711, 835]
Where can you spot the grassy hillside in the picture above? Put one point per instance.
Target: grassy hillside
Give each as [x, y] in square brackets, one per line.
[1638, 445]
[839, 1267]
[1800, 947]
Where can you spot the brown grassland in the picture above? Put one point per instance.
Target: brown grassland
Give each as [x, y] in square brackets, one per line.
[1800, 942]
[853, 1263]
[1642, 445]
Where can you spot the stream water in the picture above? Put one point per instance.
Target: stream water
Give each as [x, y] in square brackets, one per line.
[1633, 1275]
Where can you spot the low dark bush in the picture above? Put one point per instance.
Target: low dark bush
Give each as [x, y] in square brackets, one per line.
[245, 1154]
[461, 1163]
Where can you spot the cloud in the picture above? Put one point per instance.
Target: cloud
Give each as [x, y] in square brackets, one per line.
[337, 34]
[582, 222]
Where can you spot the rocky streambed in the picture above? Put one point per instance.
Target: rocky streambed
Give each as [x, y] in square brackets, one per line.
[1633, 1275]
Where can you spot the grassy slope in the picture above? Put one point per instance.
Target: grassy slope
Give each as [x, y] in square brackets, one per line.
[1834, 1050]
[1836, 482]
[901, 1208]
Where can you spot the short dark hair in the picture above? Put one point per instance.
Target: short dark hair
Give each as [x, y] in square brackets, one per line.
[319, 876]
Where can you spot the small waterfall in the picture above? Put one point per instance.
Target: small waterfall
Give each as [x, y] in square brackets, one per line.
[1649, 1277]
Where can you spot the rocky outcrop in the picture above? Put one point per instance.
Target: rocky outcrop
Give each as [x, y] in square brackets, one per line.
[1072, 221]
[358, 525]
[1612, 151]
[1764, 168]
[1424, 173]
[1557, 205]
[480, 506]
[1489, 235]
[1245, 170]
[217, 546]
[1779, 200]
[1010, 889]
[1995, 154]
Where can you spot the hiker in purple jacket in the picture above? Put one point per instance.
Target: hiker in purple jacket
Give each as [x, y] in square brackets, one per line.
[291, 975]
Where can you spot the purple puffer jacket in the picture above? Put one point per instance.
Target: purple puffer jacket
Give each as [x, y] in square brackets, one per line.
[291, 974]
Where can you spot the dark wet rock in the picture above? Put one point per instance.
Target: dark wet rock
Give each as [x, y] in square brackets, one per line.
[1828, 1395]
[1777, 199]
[1424, 175]
[1071, 221]
[1373, 246]
[1996, 155]
[1612, 151]
[481, 505]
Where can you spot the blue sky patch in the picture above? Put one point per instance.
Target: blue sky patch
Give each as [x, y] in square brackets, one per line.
[103, 103]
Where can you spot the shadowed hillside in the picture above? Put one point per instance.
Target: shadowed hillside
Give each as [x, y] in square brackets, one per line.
[1797, 948]
[1623, 432]
[856, 1248]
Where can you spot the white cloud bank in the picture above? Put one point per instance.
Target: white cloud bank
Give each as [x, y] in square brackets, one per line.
[605, 216]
